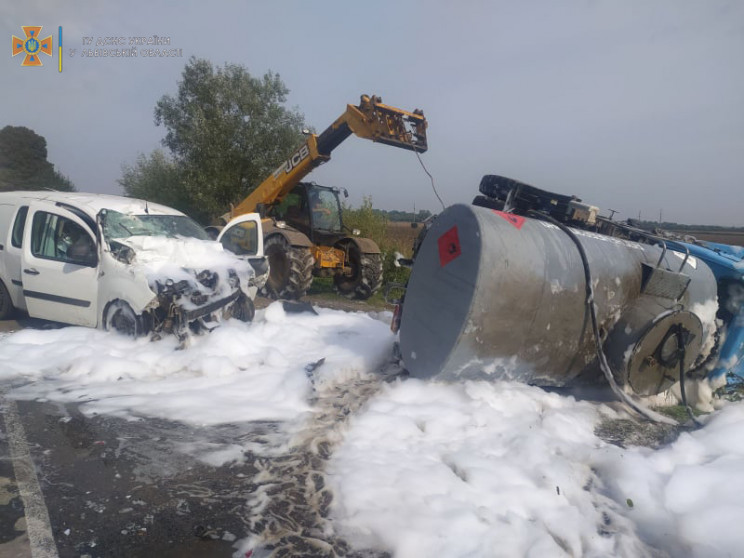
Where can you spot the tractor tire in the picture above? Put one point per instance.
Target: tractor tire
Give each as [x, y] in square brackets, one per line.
[290, 269]
[6, 303]
[366, 275]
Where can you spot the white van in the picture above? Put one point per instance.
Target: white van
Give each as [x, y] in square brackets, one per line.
[123, 264]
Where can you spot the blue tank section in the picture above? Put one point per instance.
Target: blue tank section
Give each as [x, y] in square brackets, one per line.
[726, 249]
[727, 264]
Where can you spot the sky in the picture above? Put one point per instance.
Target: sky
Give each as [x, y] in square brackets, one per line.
[417, 469]
[633, 106]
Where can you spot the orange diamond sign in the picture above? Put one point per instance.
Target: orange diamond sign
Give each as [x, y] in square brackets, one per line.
[32, 45]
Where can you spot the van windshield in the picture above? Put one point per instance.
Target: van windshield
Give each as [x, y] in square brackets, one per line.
[121, 225]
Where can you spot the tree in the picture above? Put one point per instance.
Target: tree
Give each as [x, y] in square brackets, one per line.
[158, 178]
[23, 162]
[226, 131]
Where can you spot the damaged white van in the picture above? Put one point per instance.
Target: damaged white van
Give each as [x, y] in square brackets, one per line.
[123, 264]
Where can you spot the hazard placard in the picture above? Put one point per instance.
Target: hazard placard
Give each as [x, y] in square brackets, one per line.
[449, 246]
[515, 220]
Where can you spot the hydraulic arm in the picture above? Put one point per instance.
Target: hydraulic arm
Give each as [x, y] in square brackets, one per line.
[370, 120]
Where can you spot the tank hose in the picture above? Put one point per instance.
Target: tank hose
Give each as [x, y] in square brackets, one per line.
[601, 357]
[431, 178]
[681, 353]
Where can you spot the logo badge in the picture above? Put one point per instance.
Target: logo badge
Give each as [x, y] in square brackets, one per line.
[32, 45]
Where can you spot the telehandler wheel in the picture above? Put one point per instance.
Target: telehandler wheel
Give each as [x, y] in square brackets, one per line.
[365, 278]
[290, 269]
[6, 304]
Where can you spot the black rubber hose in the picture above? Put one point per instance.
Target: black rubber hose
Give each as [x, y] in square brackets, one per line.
[681, 355]
[601, 357]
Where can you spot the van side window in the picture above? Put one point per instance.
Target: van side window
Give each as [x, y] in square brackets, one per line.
[54, 237]
[20, 222]
[241, 239]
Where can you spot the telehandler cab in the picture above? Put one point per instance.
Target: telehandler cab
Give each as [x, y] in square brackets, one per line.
[303, 228]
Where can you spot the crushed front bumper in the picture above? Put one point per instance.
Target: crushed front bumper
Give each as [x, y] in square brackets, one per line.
[195, 314]
[169, 315]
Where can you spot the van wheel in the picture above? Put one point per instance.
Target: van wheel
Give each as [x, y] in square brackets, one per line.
[121, 318]
[242, 309]
[6, 304]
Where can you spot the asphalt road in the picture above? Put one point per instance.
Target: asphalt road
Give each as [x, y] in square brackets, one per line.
[118, 488]
[99, 486]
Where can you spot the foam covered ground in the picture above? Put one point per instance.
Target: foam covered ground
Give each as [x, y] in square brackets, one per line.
[424, 469]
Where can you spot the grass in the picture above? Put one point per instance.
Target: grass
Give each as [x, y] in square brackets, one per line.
[391, 237]
[679, 413]
[322, 289]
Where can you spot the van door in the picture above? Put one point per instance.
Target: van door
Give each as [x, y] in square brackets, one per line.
[60, 266]
[13, 258]
[243, 236]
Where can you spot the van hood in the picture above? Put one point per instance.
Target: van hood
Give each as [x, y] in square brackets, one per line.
[166, 260]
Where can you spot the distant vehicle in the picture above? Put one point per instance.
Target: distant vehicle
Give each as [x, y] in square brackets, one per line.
[123, 264]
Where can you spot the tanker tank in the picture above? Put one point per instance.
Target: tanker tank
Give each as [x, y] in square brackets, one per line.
[494, 295]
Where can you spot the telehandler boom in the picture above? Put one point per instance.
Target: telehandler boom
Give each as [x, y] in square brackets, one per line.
[303, 229]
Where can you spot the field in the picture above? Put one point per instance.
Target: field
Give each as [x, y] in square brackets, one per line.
[400, 235]
[724, 237]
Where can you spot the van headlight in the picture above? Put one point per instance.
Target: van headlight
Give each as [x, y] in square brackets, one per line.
[232, 279]
[208, 278]
[121, 252]
[172, 288]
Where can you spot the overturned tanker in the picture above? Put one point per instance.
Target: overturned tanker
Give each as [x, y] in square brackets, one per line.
[498, 295]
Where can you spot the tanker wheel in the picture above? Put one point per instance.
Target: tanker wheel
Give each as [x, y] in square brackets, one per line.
[365, 277]
[290, 269]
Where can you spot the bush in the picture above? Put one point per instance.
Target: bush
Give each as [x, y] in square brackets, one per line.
[390, 272]
[371, 223]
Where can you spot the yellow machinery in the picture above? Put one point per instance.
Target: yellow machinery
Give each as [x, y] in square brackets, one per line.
[303, 227]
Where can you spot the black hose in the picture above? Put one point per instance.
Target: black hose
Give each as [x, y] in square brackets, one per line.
[431, 178]
[681, 355]
[601, 357]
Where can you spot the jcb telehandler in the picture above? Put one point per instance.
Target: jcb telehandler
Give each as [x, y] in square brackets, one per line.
[303, 230]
